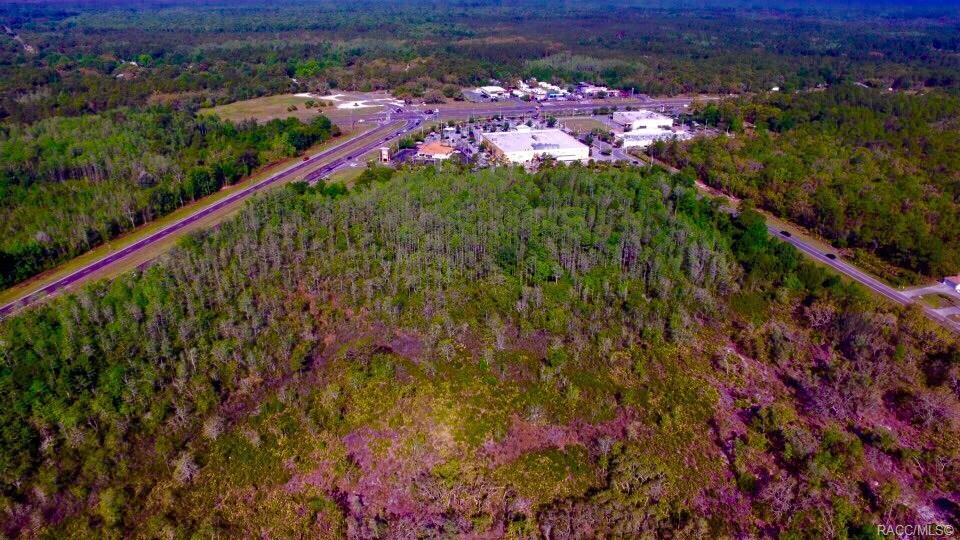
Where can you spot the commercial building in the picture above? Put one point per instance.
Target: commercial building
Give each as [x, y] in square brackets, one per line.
[638, 138]
[642, 128]
[434, 151]
[526, 146]
[648, 121]
[590, 90]
[492, 92]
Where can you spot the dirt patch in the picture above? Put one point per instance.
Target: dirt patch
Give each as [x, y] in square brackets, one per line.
[525, 436]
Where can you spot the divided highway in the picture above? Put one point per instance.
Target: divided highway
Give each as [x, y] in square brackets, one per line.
[378, 137]
[383, 135]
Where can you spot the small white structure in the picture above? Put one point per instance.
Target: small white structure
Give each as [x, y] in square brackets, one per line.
[538, 93]
[953, 282]
[588, 89]
[492, 92]
[384, 154]
[526, 146]
[553, 91]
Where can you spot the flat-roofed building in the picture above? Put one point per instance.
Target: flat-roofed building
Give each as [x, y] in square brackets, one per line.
[492, 91]
[588, 89]
[644, 138]
[642, 128]
[526, 146]
[649, 121]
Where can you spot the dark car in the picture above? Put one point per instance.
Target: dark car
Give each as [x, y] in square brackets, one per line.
[786, 233]
[832, 256]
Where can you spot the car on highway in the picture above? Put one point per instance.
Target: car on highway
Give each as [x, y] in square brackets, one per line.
[786, 233]
[831, 256]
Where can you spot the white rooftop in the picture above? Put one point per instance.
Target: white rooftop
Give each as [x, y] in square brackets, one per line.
[492, 89]
[633, 116]
[537, 140]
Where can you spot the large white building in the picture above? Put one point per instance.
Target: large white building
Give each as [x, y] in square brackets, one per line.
[636, 138]
[648, 121]
[525, 146]
[642, 128]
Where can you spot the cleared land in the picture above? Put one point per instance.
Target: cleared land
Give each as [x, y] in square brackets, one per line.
[269, 108]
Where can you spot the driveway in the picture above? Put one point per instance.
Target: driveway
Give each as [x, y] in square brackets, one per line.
[938, 288]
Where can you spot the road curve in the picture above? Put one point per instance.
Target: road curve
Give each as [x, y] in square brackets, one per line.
[833, 261]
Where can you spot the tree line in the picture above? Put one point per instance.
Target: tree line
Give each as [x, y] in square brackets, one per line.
[421, 320]
[96, 57]
[873, 171]
[68, 184]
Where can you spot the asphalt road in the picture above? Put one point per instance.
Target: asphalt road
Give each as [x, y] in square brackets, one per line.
[865, 279]
[843, 267]
[412, 120]
[555, 108]
[385, 134]
[831, 259]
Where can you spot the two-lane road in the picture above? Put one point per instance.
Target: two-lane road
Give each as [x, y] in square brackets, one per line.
[832, 260]
[835, 262]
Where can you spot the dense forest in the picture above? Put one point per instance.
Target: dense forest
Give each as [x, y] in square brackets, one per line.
[576, 353]
[876, 171]
[98, 101]
[87, 57]
[69, 184]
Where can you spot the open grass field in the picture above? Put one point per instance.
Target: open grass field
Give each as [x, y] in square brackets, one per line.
[267, 108]
[581, 125]
[349, 174]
